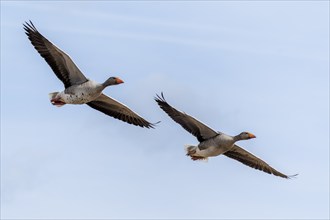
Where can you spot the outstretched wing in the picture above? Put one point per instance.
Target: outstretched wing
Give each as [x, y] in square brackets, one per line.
[62, 65]
[250, 160]
[119, 111]
[190, 124]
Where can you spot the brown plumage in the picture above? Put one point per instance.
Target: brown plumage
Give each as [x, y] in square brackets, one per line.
[214, 143]
[79, 89]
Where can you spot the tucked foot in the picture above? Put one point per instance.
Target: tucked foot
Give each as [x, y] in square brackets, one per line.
[55, 99]
[57, 102]
[198, 158]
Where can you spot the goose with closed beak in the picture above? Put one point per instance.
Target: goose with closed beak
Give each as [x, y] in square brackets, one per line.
[79, 89]
[215, 143]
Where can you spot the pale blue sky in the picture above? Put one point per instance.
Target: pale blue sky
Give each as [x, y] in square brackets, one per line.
[257, 66]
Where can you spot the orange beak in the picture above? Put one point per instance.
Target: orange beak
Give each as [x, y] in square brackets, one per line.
[118, 81]
[252, 135]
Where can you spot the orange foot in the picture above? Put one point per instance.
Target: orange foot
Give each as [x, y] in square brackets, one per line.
[57, 102]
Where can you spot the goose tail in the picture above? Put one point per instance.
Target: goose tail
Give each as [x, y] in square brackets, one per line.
[191, 151]
[55, 101]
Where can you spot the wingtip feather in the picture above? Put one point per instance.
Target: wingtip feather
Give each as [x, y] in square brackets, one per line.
[292, 176]
[160, 98]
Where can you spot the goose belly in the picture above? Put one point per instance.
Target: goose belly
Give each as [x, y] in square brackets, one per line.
[215, 146]
[79, 96]
[211, 151]
[82, 94]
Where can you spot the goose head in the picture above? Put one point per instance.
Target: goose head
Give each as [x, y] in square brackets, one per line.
[112, 81]
[245, 136]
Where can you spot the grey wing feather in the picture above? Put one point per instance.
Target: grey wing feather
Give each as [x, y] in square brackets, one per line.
[190, 124]
[119, 111]
[250, 160]
[62, 65]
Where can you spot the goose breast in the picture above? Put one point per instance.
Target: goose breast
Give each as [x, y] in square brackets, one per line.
[81, 94]
[216, 145]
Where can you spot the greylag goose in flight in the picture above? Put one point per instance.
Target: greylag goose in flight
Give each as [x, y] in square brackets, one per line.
[79, 89]
[215, 143]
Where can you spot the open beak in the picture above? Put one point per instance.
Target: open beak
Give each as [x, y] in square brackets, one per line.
[118, 81]
[252, 135]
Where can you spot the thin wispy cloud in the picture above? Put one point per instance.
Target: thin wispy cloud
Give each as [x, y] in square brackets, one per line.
[261, 67]
[215, 37]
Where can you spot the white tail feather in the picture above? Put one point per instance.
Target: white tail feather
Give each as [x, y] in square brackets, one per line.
[189, 148]
[191, 152]
[52, 95]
